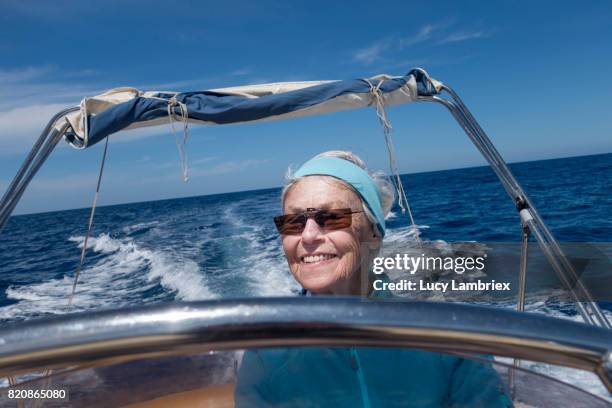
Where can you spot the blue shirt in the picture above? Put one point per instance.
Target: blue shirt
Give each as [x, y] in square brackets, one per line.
[365, 377]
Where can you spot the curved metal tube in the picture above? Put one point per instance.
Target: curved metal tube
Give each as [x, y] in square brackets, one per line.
[509, 184]
[588, 308]
[43, 136]
[109, 337]
[14, 195]
[43, 147]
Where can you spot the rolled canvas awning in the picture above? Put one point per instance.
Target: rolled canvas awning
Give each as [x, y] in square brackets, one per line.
[127, 108]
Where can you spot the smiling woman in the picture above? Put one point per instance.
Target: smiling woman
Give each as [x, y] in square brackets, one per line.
[334, 222]
[332, 229]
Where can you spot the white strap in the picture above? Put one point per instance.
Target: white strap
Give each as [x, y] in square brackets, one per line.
[378, 101]
[184, 117]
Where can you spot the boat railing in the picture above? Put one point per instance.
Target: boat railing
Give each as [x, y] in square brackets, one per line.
[95, 338]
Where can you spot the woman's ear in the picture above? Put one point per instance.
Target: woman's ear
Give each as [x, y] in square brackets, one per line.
[374, 245]
[373, 239]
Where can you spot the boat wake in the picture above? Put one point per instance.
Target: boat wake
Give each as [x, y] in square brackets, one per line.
[245, 260]
[117, 272]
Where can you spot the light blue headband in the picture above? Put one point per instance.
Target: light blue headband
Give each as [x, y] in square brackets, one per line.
[352, 174]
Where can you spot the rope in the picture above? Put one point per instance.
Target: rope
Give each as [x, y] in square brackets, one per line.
[12, 383]
[91, 217]
[378, 101]
[184, 116]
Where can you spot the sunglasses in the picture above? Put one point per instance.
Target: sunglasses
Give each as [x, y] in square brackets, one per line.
[329, 219]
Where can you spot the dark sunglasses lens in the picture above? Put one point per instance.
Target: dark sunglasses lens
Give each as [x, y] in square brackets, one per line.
[334, 219]
[330, 219]
[290, 224]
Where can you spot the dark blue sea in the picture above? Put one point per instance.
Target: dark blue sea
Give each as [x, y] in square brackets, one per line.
[225, 245]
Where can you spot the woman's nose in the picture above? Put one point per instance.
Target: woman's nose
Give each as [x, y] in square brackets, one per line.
[312, 231]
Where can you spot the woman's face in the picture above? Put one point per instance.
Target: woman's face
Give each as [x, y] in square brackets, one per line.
[321, 260]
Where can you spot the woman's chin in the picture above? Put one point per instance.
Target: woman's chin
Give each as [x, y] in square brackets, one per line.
[319, 277]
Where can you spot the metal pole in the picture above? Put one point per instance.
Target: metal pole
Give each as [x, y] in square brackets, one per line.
[14, 191]
[520, 304]
[549, 239]
[585, 304]
[43, 136]
[12, 197]
[588, 309]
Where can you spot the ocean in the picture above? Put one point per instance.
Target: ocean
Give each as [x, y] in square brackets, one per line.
[226, 245]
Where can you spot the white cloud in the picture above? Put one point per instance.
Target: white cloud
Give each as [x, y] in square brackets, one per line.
[193, 164]
[24, 74]
[20, 127]
[389, 49]
[229, 167]
[144, 159]
[75, 182]
[460, 36]
[43, 85]
[372, 53]
[207, 82]
[132, 135]
[203, 160]
[171, 169]
[240, 72]
[423, 35]
[45, 10]
[16, 95]
[408, 64]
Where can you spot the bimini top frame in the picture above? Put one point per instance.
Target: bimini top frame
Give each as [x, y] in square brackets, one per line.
[124, 108]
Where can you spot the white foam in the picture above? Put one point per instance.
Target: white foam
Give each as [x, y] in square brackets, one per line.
[403, 234]
[117, 279]
[180, 275]
[103, 243]
[263, 265]
[139, 226]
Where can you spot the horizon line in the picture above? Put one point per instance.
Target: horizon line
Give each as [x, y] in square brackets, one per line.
[279, 187]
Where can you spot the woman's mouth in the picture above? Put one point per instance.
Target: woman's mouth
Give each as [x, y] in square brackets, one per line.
[312, 259]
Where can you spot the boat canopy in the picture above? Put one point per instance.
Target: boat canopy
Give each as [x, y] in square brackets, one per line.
[126, 108]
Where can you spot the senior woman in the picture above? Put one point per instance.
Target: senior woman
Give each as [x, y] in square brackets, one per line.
[333, 222]
[331, 229]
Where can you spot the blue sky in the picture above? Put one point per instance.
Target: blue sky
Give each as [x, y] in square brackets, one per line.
[535, 74]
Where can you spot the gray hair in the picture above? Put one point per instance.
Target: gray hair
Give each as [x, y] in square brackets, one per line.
[383, 185]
